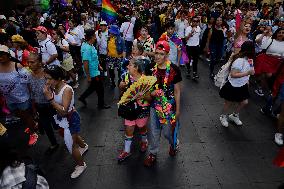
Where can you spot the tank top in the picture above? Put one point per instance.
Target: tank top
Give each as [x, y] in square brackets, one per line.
[58, 97]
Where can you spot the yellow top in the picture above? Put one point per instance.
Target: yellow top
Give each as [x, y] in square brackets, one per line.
[112, 52]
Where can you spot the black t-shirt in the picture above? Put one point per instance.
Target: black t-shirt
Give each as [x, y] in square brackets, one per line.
[217, 37]
[174, 78]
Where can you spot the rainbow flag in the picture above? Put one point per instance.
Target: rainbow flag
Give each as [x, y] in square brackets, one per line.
[108, 12]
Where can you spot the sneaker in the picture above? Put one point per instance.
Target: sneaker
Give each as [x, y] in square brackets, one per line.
[259, 92]
[278, 139]
[33, 139]
[123, 156]
[83, 101]
[78, 170]
[195, 76]
[150, 160]
[143, 146]
[83, 150]
[173, 152]
[235, 118]
[224, 121]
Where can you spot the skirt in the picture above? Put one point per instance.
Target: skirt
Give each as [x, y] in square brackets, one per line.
[266, 64]
[234, 94]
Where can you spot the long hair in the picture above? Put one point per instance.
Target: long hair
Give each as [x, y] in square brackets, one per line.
[247, 50]
[240, 30]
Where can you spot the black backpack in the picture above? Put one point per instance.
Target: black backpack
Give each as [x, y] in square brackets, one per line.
[58, 49]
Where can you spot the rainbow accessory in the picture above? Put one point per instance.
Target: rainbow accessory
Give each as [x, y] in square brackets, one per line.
[162, 106]
[108, 12]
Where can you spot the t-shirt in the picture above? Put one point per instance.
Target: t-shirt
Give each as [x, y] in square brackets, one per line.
[181, 27]
[102, 41]
[127, 31]
[242, 65]
[194, 39]
[173, 55]
[14, 86]
[276, 48]
[174, 78]
[77, 35]
[112, 51]
[47, 49]
[89, 53]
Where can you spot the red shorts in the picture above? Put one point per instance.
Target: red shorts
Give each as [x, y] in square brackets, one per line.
[139, 122]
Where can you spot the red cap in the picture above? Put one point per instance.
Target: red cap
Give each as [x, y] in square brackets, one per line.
[41, 28]
[163, 45]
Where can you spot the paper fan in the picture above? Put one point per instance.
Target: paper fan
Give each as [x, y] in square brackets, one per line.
[143, 85]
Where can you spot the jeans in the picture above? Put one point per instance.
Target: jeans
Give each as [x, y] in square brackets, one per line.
[192, 52]
[46, 121]
[95, 85]
[216, 51]
[154, 132]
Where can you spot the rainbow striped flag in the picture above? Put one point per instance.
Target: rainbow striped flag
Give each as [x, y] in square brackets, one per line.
[108, 12]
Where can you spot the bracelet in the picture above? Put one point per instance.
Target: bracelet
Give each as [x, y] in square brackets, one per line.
[51, 99]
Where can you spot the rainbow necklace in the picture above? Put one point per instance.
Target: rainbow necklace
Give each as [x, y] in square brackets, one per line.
[162, 105]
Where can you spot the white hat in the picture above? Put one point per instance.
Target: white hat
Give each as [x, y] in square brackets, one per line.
[2, 17]
[4, 48]
[103, 23]
[13, 19]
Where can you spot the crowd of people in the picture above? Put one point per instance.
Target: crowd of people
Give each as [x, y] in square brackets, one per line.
[43, 55]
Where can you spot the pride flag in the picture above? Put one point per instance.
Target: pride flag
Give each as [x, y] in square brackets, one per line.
[108, 12]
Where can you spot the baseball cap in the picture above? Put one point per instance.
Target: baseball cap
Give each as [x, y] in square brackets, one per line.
[4, 48]
[103, 23]
[163, 45]
[41, 28]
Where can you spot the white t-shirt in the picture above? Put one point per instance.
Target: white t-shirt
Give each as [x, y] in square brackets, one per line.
[102, 42]
[242, 65]
[127, 31]
[47, 49]
[181, 27]
[77, 35]
[69, 38]
[276, 48]
[63, 43]
[194, 39]
[263, 41]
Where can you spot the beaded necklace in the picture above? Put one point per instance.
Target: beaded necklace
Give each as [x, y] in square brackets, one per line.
[162, 105]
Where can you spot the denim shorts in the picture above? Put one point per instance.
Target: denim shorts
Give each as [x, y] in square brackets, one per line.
[74, 122]
[281, 93]
[19, 106]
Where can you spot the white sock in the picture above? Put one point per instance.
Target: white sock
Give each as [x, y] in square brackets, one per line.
[127, 144]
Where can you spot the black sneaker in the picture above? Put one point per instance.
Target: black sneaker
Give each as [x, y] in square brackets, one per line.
[83, 101]
[104, 107]
[195, 76]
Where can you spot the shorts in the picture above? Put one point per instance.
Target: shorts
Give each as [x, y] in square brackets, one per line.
[139, 122]
[74, 122]
[19, 106]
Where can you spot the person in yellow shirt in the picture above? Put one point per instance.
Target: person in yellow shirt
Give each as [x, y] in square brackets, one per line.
[116, 52]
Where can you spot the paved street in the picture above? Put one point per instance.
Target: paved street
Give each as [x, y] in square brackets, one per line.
[210, 156]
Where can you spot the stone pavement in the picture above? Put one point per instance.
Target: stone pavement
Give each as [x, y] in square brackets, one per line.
[210, 156]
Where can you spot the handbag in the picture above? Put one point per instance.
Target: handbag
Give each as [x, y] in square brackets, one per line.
[129, 111]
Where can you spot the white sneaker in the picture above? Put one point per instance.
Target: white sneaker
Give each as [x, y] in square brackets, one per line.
[83, 150]
[78, 170]
[235, 118]
[224, 121]
[259, 92]
[278, 138]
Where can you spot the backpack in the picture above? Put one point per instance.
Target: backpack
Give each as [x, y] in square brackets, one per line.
[222, 76]
[59, 51]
